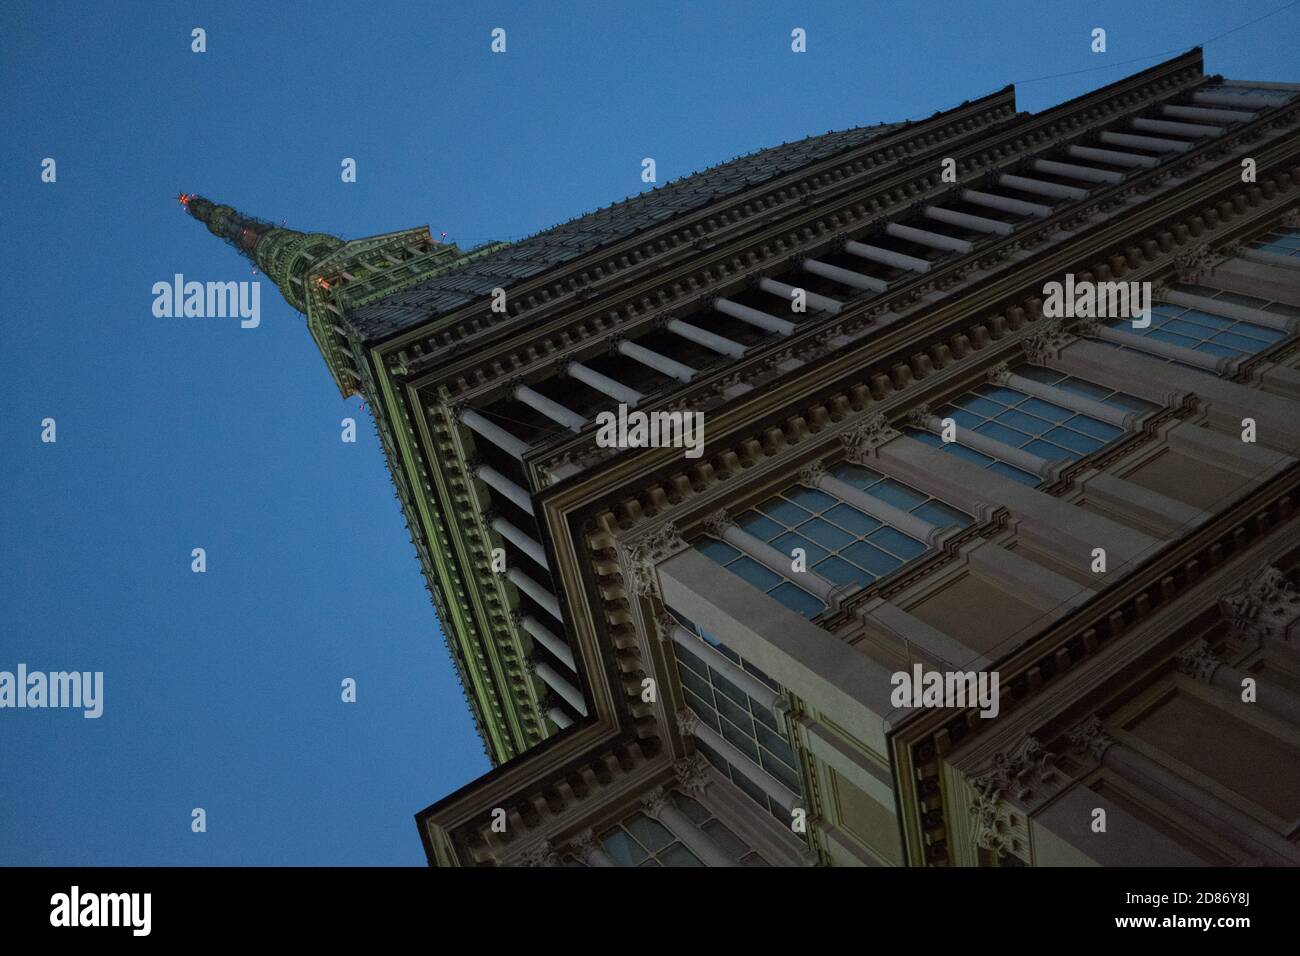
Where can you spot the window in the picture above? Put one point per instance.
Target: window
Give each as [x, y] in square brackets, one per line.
[842, 543]
[1203, 332]
[1098, 393]
[1280, 242]
[742, 721]
[641, 840]
[717, 831]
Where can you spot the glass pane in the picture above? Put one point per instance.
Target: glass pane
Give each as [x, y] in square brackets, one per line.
[651, 834]
[798, 600]
[725, 839]
[678, 855]
[719, 551]
[839, 571]
[622, 849]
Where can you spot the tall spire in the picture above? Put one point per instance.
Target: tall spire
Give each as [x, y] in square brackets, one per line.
[283, 255]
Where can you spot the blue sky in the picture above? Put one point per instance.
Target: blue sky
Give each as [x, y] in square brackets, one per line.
[222, 689]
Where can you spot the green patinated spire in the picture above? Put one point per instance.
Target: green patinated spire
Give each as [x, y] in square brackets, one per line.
[285, 256]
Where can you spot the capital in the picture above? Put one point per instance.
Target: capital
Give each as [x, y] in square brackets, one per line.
[1090, 738]
[861, 441]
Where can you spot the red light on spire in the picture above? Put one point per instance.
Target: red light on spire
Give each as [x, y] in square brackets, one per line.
[184, 200]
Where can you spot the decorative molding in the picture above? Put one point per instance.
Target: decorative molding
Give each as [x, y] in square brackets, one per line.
[812, 473]
[1265, 604]
[1046, 344]
[655, 802]
[861, 441]
[693, 774]
[1197, 262]
[1000, 374]
[584, 845]
[640, 558]
[1198, 661]
[717, 523]
[1091, 738]
[687, 722]
[919, 416]
[539, 854]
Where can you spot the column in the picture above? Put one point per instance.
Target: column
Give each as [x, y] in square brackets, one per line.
[1212, 98]
[1245, 832]
[586, 849]
[520, 540]
[1040, 187]
[1155, 144]
[1112, 156]
[886, 257]
[761, 320]
[604, 384]
[559, 718]
[659, 805]
[1226, 403]
[500, 483]
[1053, 524]
[535, 591]
[691, 725]
[921, 418]
[558, 683]
[552, 410]
[816, 477]
[926, 238]
[493, 433]
[1074, 171]
[1204, 113]
[1231, 310]
[967, 221]
[1016, 207]
[1110, 414]
[717, 343]
[660, 363]
[725, 666]
[1118, 335]
[854, 280]
[1191, 130]
[1199, 662]
[721, 526]
[818, 303]
[542, 635]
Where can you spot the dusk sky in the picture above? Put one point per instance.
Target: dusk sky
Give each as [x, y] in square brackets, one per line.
[222, 689]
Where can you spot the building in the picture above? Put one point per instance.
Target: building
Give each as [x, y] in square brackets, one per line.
[916, 463]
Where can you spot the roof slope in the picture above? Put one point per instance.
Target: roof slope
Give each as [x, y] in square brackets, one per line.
[560, 244]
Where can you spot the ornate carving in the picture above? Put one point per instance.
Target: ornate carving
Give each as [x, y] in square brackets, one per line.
[693, 774]
[1000, 374]
[919, 416]
[687, 722]
[812, 474]
[539, 854]
[1265, 604]
[717, 523]
[1090, 738]
[1198, 661]
[1291, 218]
[1089, 327]
[1046, 343]
[655, 802]
[861, 441]
[665, 623]
[1197, 262]
[584, 845]
[639, 558]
